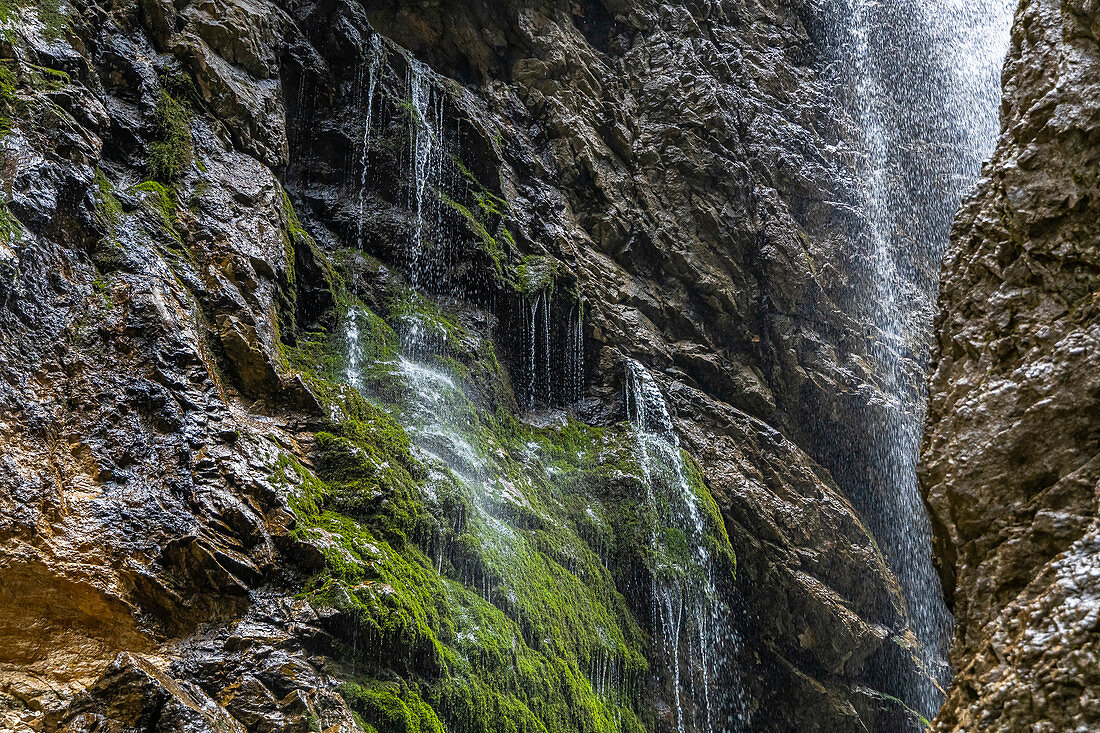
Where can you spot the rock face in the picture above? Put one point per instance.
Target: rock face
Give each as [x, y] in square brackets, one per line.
[200, 521]
[1010, 460]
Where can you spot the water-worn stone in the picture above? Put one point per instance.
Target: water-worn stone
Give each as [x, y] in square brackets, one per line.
[1011, 463]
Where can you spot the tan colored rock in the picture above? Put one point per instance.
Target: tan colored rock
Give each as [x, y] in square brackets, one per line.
[1011, 463]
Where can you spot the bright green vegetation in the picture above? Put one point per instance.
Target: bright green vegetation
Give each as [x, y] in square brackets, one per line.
[161, 200]
[108, 209]
[171, 153]
[50, 13]
[890, 700]
[297, 241]
[484, 214]
[9, 97]
[536, 273]
[10, 228]
[717, 538]
[295, 235]
[18, 77]
[52, 17]
[470, 607]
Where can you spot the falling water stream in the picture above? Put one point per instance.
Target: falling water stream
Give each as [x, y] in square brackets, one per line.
[373, 62]
[923, 85]
[426, 171]
[691, 617]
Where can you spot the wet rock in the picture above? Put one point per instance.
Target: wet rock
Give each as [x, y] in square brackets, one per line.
[1010, 464]
[133, 695]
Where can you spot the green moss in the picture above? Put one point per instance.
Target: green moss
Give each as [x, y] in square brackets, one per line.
[161, 200]
[392, 707]
[108, 209]
[21, 83]
[536, 273]
[485, 214]
[50, 13]
[322, 357]
[437, 331]
[296, 234]
[10, 228]
[525, 652]
[717, 535]
[53, 18]
[173, 149]
[9, 96]
[178, 84]
[486, 593]
[489, 244]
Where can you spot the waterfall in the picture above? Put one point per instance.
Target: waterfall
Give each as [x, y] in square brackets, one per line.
[922, 82]
[574, 356]
[547, 385]
[426, 162]
[374, 67]
[691, 618]
[552, 353]
[530, 365]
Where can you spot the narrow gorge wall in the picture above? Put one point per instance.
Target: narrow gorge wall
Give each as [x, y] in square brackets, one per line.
[1010, 458]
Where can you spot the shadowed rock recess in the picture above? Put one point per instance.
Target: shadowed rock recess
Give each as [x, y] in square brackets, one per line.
[510, 366]
[1011, 461]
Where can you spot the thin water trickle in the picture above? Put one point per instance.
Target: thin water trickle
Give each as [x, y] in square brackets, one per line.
[547, 387]
[426, 164]
[923, 85]
[374, 68]
[574, 357]
[693, 623]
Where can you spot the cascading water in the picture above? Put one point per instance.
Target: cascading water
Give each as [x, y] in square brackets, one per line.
[923, 84]
[426, 168]
[691, 618]
[693, 641]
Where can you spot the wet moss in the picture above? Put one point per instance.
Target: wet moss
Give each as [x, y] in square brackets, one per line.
[485, 214]
[51, 14]
[10, 228]
[391, 706]
[537, 273]
[9, 96]
[717, 535]
[108, 209]
[53, 17]
[495, 589]
[462, 660]
[526, 633]
[161, 200]
[322, 356]
[171, 152]
[425, 325]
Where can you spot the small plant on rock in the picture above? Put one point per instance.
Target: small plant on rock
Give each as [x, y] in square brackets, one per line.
[171, 153]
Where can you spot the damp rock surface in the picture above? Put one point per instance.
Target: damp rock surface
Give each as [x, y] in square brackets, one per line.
[315, 320]
[1009, 465]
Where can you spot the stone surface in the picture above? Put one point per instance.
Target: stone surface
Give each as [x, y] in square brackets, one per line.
[669, 158]
[1010, 464]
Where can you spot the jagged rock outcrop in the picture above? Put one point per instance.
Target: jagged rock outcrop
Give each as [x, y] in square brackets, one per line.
[194, 191]
[1010, 463]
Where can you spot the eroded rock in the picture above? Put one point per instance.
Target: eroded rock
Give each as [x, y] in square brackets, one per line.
[1010, 464]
